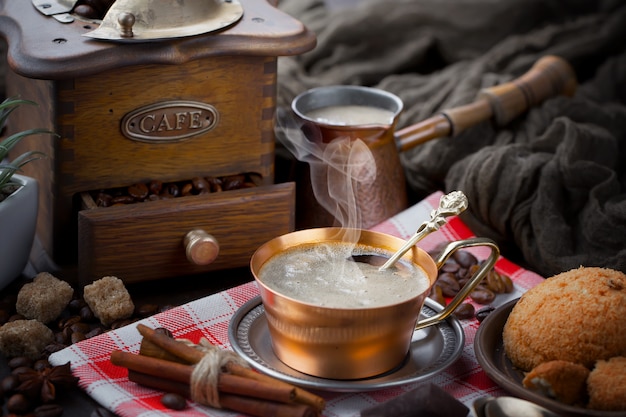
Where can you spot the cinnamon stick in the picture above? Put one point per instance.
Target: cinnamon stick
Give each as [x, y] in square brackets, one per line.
[182, 373]
[191, 355]
[147, 348]
[240, 404]
[171, 345]
[301, 396]
[161, 384]
[152, 366]
[253, 407]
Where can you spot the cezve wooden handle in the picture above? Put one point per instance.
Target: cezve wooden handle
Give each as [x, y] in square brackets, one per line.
[549, 76]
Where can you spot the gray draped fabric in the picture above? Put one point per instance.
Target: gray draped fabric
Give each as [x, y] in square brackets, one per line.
[550, 187]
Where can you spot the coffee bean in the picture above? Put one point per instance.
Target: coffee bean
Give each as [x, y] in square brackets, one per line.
[155, 186]
[9, 383]
[19, 361]
[61, 338]
[233, 182]
[450, 266]
[21, 370]
[508, 283]
[75, 305]
[41, 364]
[78, 337]
[483, 313]
[18, 404]
[86, 314]
[103, 200]
[122, 199]
[80, 327]
[174, 401]
[448, 283]
[186, 190]
[173, 190]
[200, 184]
[67, 333]
[68, 322]
[94, 332]
[482, 295]
[48, 410]
[436, 294]
[464, 311]
[121, 323]
[495, 282]
[464, 258]
[138, 191]
[53, 347]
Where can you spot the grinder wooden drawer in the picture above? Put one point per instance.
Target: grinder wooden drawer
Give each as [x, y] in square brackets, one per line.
[145, 241]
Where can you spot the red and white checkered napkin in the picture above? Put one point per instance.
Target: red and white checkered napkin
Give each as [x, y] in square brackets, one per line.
[209, 317]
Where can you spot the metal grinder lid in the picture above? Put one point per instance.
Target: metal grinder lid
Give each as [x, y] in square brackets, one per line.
[152, 20]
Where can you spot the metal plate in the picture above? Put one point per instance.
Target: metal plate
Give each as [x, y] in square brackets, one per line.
[491, 356]
[432, 350]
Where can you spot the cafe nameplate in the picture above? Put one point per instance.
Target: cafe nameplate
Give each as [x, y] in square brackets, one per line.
[169, 121]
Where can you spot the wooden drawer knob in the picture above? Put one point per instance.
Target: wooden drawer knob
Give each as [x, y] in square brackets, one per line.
[201, 248]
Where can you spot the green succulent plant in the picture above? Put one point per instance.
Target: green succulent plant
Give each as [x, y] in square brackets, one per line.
[9, 168]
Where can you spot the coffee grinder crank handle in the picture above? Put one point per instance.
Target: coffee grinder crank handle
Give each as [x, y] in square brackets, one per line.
[549, 76]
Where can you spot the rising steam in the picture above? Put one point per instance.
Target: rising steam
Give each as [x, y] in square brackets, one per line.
[338, 169]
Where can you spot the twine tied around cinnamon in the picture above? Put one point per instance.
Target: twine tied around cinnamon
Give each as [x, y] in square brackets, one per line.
[205, 376]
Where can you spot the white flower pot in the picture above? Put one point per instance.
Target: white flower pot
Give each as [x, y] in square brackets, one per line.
[18, 220]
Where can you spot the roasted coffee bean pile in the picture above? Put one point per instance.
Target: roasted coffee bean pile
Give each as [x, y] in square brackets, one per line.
[456, 272]
[158, 190]
[33, 386]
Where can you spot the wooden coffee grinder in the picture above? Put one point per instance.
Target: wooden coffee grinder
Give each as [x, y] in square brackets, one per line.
[180, 94]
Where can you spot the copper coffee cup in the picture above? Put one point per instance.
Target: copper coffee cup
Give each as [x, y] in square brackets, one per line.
[353, 343]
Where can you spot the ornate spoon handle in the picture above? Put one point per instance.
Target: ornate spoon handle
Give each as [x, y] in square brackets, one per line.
[449, 205]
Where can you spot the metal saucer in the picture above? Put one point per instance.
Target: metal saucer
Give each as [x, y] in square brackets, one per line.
[432, 350]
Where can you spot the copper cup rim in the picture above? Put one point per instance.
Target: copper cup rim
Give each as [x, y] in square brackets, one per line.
[415, 256]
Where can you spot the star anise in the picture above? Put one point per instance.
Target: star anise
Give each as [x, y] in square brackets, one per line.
[42, 384]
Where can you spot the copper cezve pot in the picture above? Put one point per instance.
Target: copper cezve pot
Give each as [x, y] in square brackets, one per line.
[386, 195]
[353, 343]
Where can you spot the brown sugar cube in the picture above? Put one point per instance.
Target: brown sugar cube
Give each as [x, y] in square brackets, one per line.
[109, 299]
[43, 299]
[24, 338]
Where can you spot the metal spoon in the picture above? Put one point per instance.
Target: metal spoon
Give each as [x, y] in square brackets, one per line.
[450, 204]
[479, 405]
[509, 407]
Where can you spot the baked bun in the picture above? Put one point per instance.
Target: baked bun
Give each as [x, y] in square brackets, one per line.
[575, 316]
[607, 385]
[564, 381]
